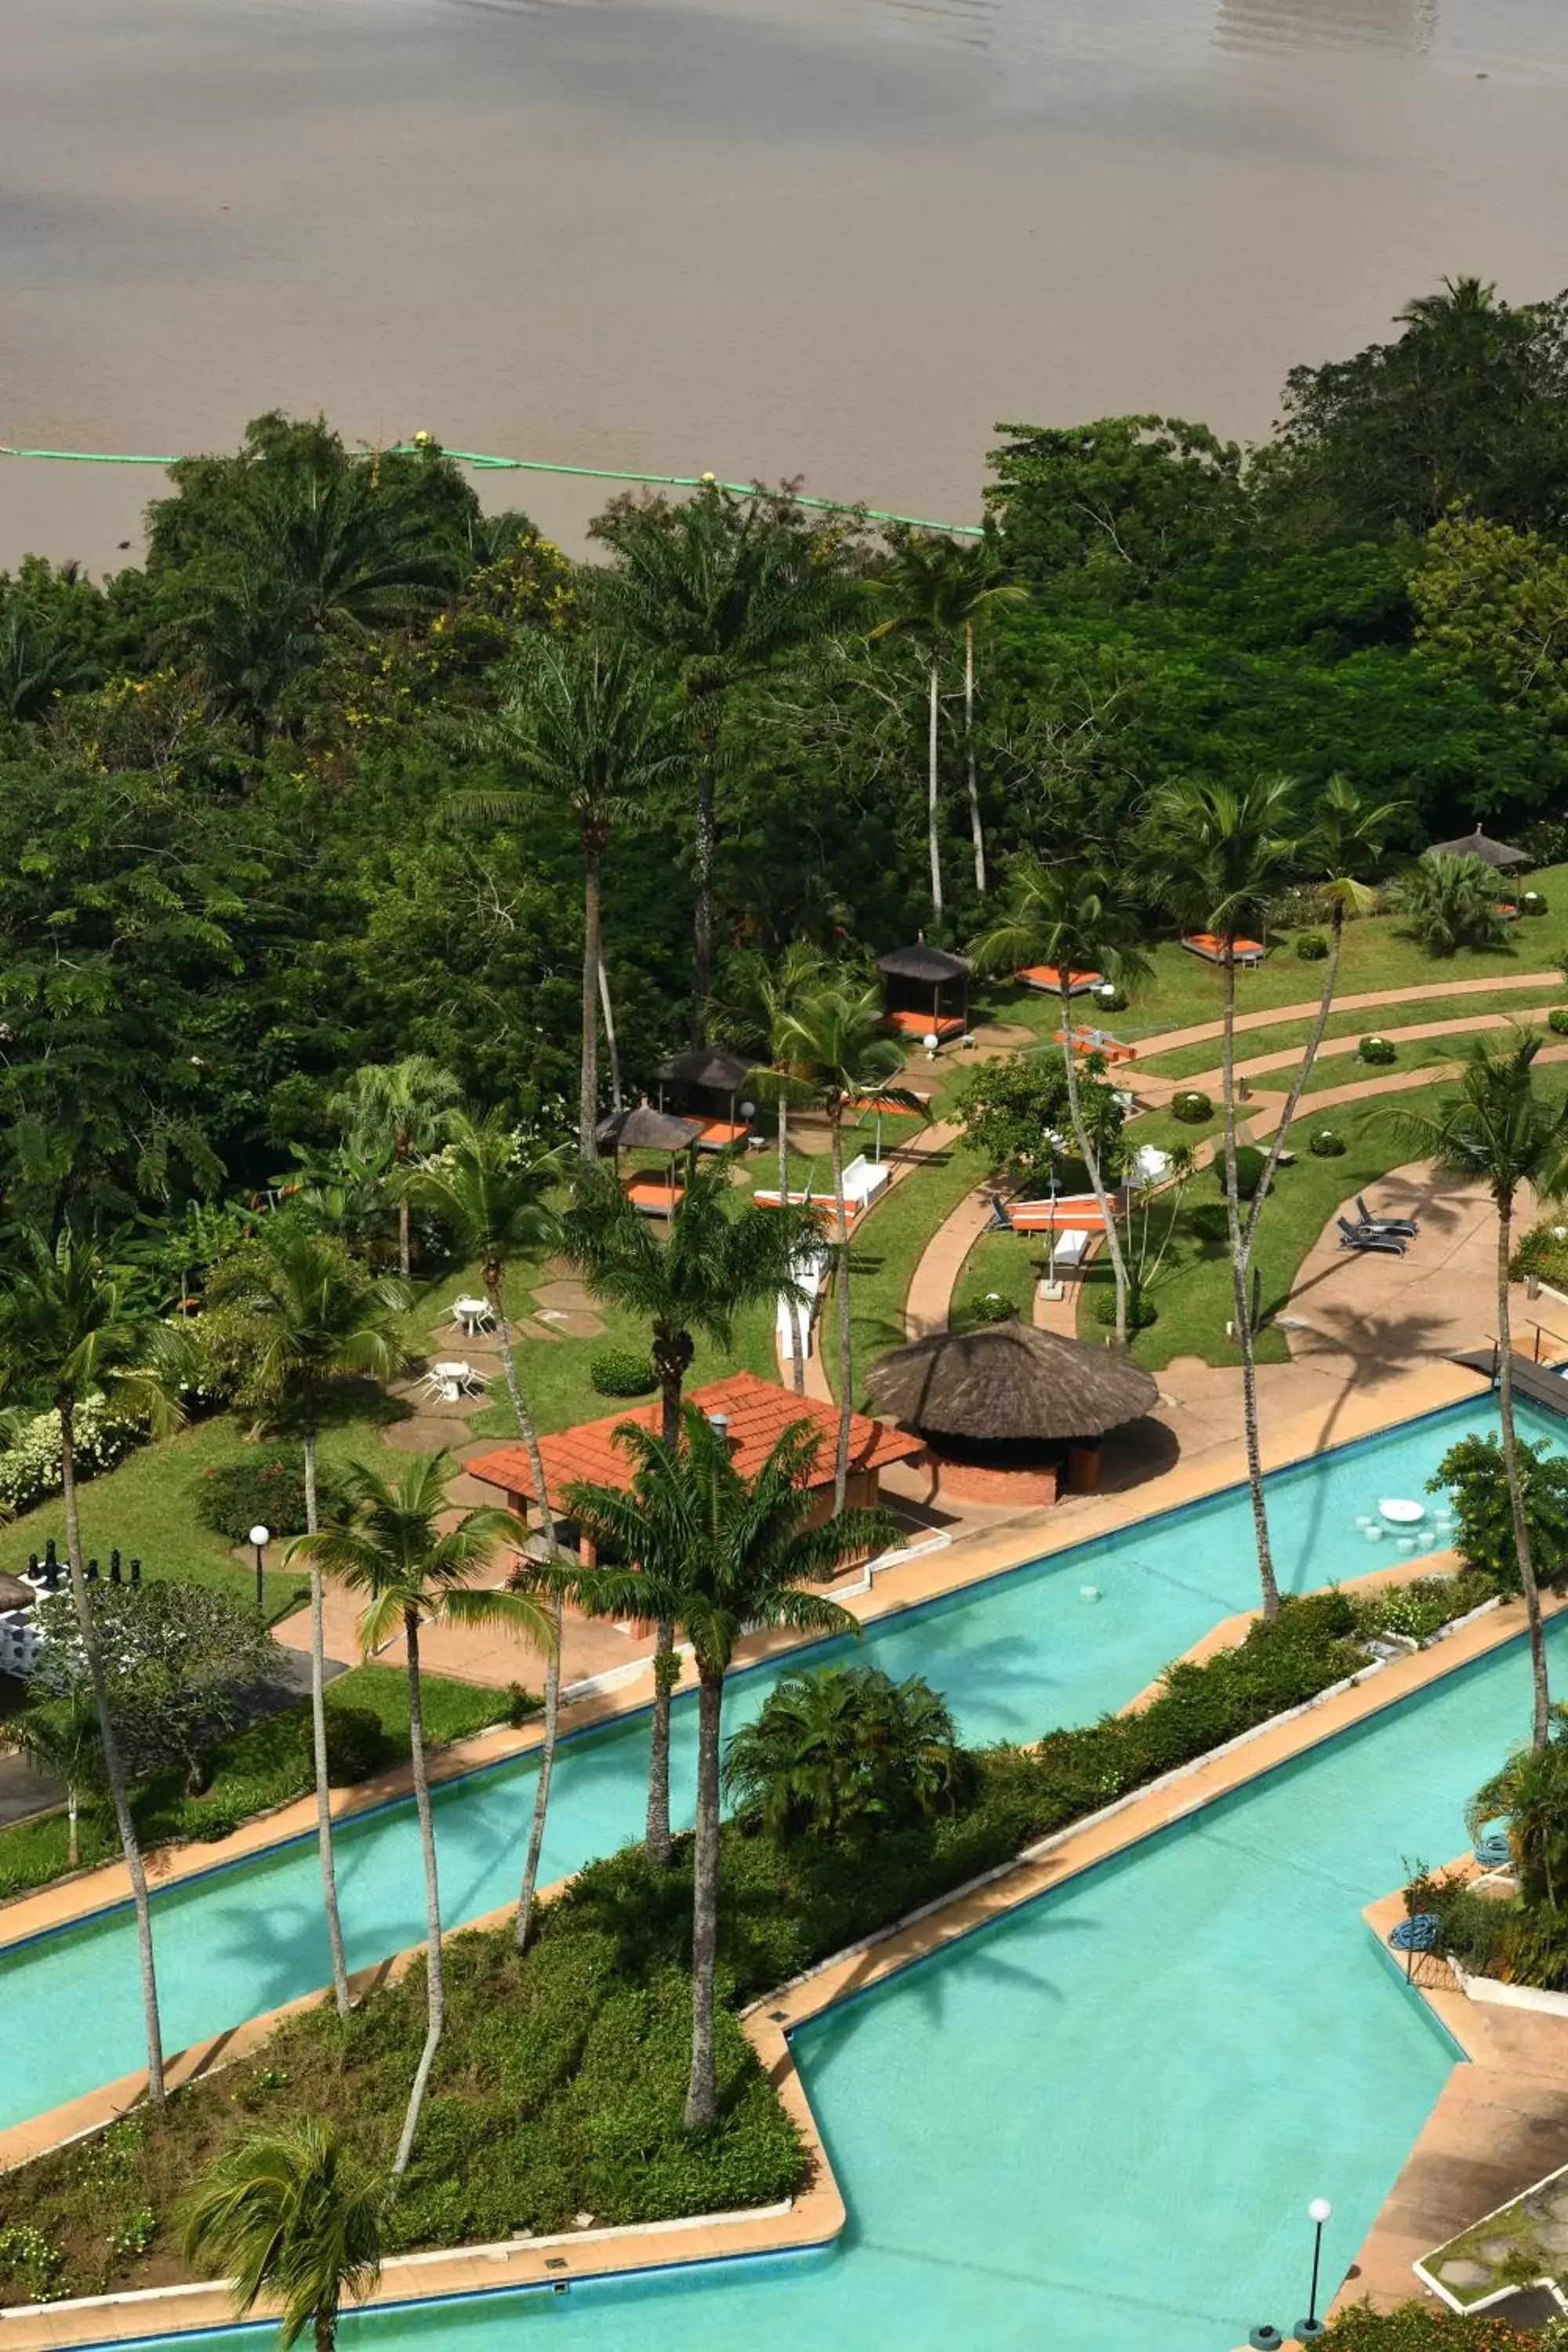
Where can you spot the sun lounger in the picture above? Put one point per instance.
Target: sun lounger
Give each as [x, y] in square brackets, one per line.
[721, 1134]
[1244, 952]
[1070, 1212]
[1048, 979]
[1098, 1041]
[1356, 1237]
[918, 1025]
[1371, 1224]
[651, 1196]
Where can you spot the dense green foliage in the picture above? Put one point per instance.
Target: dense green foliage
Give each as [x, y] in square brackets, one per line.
[1471, 1473]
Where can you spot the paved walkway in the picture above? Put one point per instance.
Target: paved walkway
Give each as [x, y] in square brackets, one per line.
[1155, 1089]
[1203, 1031]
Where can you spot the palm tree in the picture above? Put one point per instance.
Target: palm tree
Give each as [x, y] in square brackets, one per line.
[833, 1042]
[312, 1317]
[398, 1109]
[1494, 1127]
[497, 1207]
[62, 1737]
[1531, 1790]
[724, 1555]
[718, 590]
[839, 1748]
[392, 1550]
[292, 2216]
[1345, 838]
[73, 1324]
[1073, 912]
[712, 1265]
[939, 590]
[587, 727]
[770, 991]
[1222, 855]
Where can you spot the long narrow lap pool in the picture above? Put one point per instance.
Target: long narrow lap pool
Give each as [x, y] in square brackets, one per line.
[1015, 1655]
[1098, 2124]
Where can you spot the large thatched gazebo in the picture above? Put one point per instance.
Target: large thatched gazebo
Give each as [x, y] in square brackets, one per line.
[1495, 854]
[1010, 1414]
[709, 1069]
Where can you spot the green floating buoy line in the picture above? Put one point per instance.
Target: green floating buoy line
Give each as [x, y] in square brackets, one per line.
[478, 459]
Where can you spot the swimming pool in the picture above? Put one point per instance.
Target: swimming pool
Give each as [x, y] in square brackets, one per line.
[1099, 2122]
[1015, 1655]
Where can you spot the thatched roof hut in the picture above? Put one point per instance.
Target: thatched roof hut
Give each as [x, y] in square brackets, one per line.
[922, 967]
[1009, 1384]
[1480, 845]
[644, 1129]
[712, 1067]
[920, 963]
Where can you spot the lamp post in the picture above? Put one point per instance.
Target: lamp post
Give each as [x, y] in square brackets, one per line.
[1308, 2329]
[260, 1537]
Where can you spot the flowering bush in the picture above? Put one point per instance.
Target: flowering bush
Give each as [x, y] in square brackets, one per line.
[1326, 1143]
[30, 1470]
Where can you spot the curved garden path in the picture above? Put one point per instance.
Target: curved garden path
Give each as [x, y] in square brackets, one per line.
[1158, 1089]
[1204, 1033]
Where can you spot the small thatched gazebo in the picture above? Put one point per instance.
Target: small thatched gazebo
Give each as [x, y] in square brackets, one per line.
[707, 1069]
[1010, 1414]
[1496, 854]
[926, 967]
[643, 1128]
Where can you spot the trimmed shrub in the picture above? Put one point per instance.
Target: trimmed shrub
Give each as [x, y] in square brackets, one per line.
[260, 1490]
[1110, 999]
[1377, 1050]
[1326, 1143]
[1311, 947]
[1249, 1165]
[1142, 1314]
[621, 1372]
[30, 1470]
[988, 1307]
[1531, 902]
[1192, 1107]
[1557, 1020]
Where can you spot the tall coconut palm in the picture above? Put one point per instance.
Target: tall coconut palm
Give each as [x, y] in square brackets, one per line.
[1073, 911]
[391, 1548]
[833, 1042]
[1342, 843]
[310, 1317]
[74, 1324]
[289, 2215]
[63, 1738]
[771, 990]
[497, 1207]
[587, 726]
[725, 1555]
[714, 1265]
[937, 589]
[396, 1108]
[718, 590]
[1494, 1127]
[1223, 852]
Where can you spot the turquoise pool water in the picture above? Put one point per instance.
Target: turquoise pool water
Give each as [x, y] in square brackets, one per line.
[1098, 2123]
[1015, 1655]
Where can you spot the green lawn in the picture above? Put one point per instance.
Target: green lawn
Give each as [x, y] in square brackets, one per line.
[1009, 1264]
[1192, 1061]
[884, 1253]
[266, 1765]
[1193, 1295]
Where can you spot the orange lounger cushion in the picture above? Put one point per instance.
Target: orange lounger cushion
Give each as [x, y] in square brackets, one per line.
[1060, 1217]
[719, 1134]
[652, 1194]
[1047, 977]
[924, 1024]
[1205, 943]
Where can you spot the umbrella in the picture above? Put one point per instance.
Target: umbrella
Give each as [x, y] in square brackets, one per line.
[1480, 845]
[1009, 1381]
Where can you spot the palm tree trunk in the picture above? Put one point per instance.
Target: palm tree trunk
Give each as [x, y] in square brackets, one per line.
[529, 1437]
[796, 1314]
[1298, 1085]
[702, 919]
[588, 1077]
[326, 2331]
[1090, 1159]
[436, 1973]
[657, 1838]
[932, 832]
[73, 1834]
[702, 2090]
[1541, 1722]
[113, 1766]
[977, 831]
[319, 1743]
[405, 1242]
[1242, 1307]
[541, 1784]
[611, 1047]
[846, 1344]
